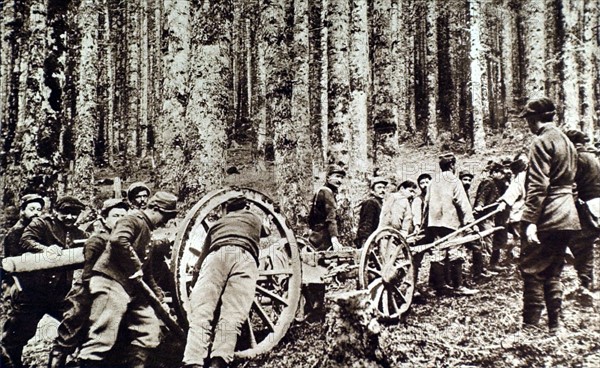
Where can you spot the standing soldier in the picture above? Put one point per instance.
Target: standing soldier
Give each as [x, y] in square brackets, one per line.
[72, 328]
[137, 195]
[466, 178]
[447, 208]
[549, 217]
[38, 293]
[31, 207]
[115, 286]
[418, 202]
[323, 217]
[396, 211]
[370, 209]
[588, 205]
[223, 295]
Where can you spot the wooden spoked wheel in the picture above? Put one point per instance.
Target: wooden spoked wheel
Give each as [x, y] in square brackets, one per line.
[387, 272]
[279, 283]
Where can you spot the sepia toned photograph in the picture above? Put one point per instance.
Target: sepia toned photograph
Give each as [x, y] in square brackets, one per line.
[299, 183]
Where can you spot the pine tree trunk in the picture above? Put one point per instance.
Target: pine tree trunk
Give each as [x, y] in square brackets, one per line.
[431, 62]
[339, 129]
[508, 45]
[533, 16]
[85, 122]
[384, 99]
[318, 66]
[293, 167]
[210, 101]
[133, 83]
[144, 85]
[171, 128]
[476, 77]
[571, 22]
[406, 75]
[360, 166]
[589, 70]
[260, 104]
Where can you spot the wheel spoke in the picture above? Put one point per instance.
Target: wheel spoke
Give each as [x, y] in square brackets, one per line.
[374, 271]
[394, 303]
[277, 271]
[400, 294]
[385, 303]
[378, 294]
[263, 316]
[271, 295]
[251, 335]
[376, 259]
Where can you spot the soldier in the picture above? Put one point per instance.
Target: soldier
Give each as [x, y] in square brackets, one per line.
[71, 329]
[549, 217]
[588, 206]
[137, 195]
[417, 204]
[31, 207]
[370, 210]
[225, 286]
[396, 211]
[487, 194]
[447, 209]
[323, 217]
[115, 286]
[41, 292]
[466, 178]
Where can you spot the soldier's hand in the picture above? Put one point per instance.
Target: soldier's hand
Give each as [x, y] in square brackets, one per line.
[53, 251]
[137, 276]
[531, 233]
[501, 206]
[336, 244]
[478, 209]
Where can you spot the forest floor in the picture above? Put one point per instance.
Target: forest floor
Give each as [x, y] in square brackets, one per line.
[483, 330]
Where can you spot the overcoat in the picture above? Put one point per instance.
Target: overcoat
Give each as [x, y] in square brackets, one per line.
[446, 203]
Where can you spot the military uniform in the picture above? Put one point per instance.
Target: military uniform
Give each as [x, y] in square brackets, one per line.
[397, 213]
[368, 220]
[549, 204]
[323, 218]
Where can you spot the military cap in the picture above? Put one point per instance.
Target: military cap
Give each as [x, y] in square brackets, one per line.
[538, 106]
[111, 203]
[577, 136]
[69, 203]
[28, 198]
[336, 169]
[164, 202]
[135, 188]
[496, 167]
[465, 173]
[377, 180]
[447, 157]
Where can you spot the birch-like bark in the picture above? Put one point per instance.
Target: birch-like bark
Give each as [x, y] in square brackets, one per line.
[407, 77]
[260, 111]
[589, 70]
[144, 85]
[82, 179]
[293, 171]
[133, 82]
[533, 16]
[508, 46]
[171, 128]
[476, 77]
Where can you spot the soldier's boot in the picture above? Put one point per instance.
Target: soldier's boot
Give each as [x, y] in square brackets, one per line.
[139, 357]
[494, 261]
[57, 358]
[532, 315]
[90, 364]
[437, 279]
[477, 266]
[458, 280]
[217, 362]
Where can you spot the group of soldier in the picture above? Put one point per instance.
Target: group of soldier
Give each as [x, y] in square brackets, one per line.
[108, 307]
[547, 198]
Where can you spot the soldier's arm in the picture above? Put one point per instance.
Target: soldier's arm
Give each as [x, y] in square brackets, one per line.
[461, 202]
[121, 246]
[32, 236]
[330, 212]
[538, 181]
[406, 219]
[366, 221]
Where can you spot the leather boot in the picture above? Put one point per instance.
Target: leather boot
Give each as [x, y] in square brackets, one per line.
[477, 267]
[531, 316]
[57, 358]
[437, 279]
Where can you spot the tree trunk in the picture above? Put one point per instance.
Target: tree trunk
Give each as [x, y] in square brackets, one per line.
[260, 104]
[359, 80]
[476, 80]
[210, 101]
[508, 45]
[384, 112]
[171, 128]
[132, 153]
[144, 85]
[533, 16]
[85, 122]
[431, 62]
[318, 68]
[589, 70]
[406, 75]
[339, 128]
[571, 23]
[293, 167]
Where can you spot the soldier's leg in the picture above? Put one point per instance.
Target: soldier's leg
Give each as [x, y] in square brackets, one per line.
[204, 299]
[109, 304]
[555, 244]
[236, 303]
[21, 324]
[144, 329]
[582, 247]
[533, 298]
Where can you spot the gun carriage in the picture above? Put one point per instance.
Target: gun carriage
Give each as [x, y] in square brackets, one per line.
[385, 268]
